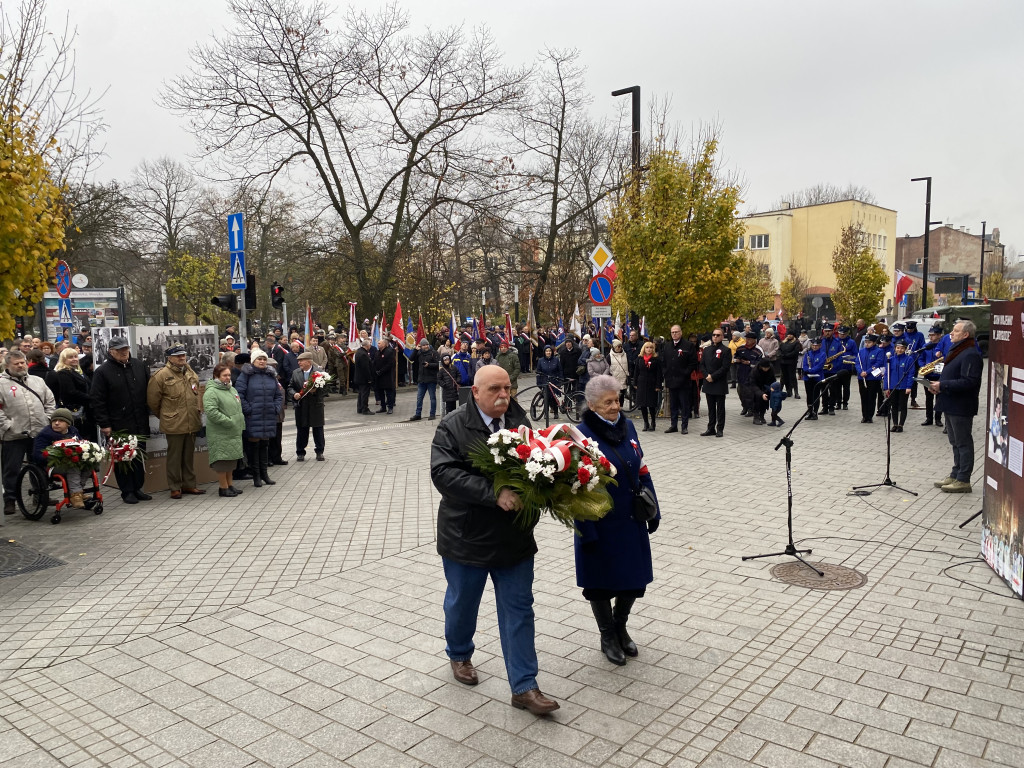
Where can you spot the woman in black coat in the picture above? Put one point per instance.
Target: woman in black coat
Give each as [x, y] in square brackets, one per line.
[762, 378]
[789, 353]
[613, 554]
[72, 392]
[647, 378]
[262, 400]
[549, 371]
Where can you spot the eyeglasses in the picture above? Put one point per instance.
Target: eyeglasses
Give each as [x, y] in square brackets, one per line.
[716, 335]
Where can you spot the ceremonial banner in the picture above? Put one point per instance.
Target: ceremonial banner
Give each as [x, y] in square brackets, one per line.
[1003, 506]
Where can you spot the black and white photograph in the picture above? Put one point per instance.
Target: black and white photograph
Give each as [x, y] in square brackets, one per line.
[101, 341]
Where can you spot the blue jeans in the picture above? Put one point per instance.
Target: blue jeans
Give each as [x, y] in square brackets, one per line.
[958, 429]
[513, 594]
[423, 388]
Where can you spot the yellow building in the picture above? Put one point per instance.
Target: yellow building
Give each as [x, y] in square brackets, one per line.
[806, 236]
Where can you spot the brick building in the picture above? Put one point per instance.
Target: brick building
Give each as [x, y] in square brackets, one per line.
[951, 250]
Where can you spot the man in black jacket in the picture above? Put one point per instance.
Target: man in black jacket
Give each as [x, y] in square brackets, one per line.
[958, 387]
[384, 376]
[715, 362]
[362, 377]
[570, 358]
[679, 357]
[427, 363]
[118, 396]
[478, 536]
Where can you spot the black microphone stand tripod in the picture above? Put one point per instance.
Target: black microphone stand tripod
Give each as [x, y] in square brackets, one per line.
[787, 441]
[887, 482]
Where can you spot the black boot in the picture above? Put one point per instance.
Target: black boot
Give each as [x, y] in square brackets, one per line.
[252, 458]
[606, 624]
[264, 462]
[647, 425]
[620, 614]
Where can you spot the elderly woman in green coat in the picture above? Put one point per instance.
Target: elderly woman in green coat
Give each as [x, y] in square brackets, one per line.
[224, 425]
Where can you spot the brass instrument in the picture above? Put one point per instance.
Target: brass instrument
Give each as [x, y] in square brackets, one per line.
[828, 360]
[924, 370]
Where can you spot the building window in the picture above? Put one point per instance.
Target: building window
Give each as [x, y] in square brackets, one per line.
[739, 244]
[920, 260]
[758, 242]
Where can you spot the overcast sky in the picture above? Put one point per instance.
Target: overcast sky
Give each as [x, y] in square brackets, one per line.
[871, 93]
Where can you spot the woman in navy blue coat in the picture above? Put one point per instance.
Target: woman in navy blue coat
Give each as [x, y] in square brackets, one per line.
[262, 401]
[549, 370]
[613, 555]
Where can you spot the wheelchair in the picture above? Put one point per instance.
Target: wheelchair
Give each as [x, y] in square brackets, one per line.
[36, 483]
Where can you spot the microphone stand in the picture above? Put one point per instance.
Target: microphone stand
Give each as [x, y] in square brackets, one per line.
[787, 441]
[887, 482]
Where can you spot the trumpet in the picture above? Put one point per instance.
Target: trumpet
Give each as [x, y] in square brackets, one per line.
[932, 367]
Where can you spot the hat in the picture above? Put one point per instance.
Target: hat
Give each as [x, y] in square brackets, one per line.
[117, 342]
[586, 337]
[271, 361]
[885, 337]
[844, 329]
[816, 340]
[254, 356]
[305, 356]
[937, 329]
[900, 342]
[871, 337]
[503, 343]
[827, 327]
[616, 342]
[750, 335]
[244, 357]
[332, 335]
[911, 324]
[64, 415]
[229, 336]
[424, 343]
[177, 349]
[446, 357]
[897, 326]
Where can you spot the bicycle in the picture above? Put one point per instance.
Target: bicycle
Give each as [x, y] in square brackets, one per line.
[565, 400]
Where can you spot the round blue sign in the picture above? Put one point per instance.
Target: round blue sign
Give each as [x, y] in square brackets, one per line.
[600, 290]
[63, 279]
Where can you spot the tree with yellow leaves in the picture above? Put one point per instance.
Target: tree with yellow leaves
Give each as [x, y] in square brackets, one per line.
[674, 237]
[31, 219]
[860, 279]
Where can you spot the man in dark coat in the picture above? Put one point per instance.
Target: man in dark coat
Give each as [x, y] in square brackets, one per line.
[118, 395]
[384, 376]
[427, 363]
[478, 536]
[309, 409]
[714, 364]
[362, 377]
[958, 387]
[631, 346]
[679, 360]
[570, 358]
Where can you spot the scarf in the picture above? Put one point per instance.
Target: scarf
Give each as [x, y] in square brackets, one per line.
[647, 360]
[603, 431]
[961, 347]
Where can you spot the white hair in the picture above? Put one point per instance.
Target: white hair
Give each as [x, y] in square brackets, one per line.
[599, 386]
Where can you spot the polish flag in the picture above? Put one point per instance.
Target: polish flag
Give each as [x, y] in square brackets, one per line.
[353, 329]
[903, 283]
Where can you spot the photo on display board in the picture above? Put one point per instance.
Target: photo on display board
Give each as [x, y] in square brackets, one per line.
[101, 341]
[999, 404]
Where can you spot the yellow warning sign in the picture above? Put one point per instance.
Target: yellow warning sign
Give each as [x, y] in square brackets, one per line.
[601, 257]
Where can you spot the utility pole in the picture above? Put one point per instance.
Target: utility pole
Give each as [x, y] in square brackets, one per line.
[927, 228]
[635, 91]
[980, 295]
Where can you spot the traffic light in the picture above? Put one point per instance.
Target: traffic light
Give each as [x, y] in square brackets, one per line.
[250, 292]
[276, 295]
[228, 302]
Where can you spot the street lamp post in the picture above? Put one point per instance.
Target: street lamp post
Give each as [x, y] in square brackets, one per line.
[981, 273]
[635, 91]
[927, 228]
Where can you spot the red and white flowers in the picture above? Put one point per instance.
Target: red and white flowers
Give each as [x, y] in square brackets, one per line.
[556, 470]
[316, 380]
[74, 453]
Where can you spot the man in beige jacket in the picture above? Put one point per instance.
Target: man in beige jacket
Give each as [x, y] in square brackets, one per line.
[173, 396]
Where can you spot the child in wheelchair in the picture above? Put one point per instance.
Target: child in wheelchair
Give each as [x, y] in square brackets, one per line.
[62, 428]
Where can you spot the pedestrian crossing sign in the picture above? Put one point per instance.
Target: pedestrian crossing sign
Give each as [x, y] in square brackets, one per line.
[238, 270]
[64, 313]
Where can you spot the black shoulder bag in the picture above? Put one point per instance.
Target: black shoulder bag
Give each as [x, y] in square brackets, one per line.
[645, 506]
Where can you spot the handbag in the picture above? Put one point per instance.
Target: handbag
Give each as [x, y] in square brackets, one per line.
[645, 506]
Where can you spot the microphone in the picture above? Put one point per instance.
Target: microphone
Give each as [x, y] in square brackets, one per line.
[838, 375]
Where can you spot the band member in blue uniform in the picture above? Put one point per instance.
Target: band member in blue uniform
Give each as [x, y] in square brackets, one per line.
[814, 370]
[932, 351]
[849, 363]
[899, 377]
[915, 343]
[870, 370]
[832, 347]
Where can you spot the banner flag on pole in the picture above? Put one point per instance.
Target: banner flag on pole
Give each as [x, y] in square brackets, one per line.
[396, 324]
[353, 329]
[452, 328]
[409, 327]
[375, 330]
[903, 283]
[309, 324]
[421, 331]
[574, 324]
[560, 336]
[508, 329]
[643, 327]
[476, 330]
[618, 327]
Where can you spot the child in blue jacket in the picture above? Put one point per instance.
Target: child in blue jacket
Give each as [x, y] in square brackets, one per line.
[776, 394]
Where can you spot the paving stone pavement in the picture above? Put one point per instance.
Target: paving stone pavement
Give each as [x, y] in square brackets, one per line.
[301, 624]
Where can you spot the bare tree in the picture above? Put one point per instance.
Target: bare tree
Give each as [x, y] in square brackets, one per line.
[825, 193]
[37, 79]
[379, 122]
[168, 199]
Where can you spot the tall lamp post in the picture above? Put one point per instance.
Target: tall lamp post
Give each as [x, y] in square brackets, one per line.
[635, 91]
[980, 295]
[927, 228]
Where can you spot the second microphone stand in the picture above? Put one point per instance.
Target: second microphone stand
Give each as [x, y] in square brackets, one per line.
[887, 482]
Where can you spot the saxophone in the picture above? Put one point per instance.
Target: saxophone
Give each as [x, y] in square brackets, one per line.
[924, 370]
[828, 360]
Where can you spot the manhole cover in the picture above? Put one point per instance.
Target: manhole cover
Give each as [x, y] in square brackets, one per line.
[836, 576]
[16, 560]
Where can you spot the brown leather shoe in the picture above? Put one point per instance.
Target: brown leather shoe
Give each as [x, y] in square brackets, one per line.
[194, 491]
[175, 494]
[534, 701]
[464, 672]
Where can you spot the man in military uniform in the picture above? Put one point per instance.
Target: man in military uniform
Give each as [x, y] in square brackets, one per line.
[173, 396]
[746, 358]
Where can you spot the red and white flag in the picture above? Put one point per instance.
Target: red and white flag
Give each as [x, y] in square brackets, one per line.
[903, 283]
[353, 329]
[397, 333]
[508, 329]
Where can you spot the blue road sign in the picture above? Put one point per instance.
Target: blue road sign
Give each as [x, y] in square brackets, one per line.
[63, 279]
[238, 270]
[236, 232]
[64, 313]
[600, 290]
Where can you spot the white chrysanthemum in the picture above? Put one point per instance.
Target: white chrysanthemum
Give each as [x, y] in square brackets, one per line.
[499, 459]
[536, 454]
[493, 439]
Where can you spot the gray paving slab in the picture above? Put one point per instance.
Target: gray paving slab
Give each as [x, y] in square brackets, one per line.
[301, 624]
